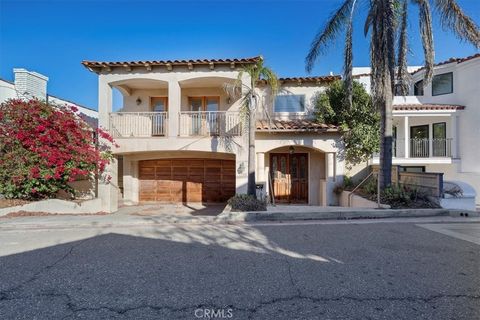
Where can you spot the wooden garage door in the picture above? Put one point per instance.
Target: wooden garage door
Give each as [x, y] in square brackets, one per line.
[187, 180]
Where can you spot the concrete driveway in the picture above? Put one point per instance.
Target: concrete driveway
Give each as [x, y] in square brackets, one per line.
[328, 270]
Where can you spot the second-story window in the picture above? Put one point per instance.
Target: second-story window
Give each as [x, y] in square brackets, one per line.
[204, 103]
[418, 88]
[442, 84]
[290, 103]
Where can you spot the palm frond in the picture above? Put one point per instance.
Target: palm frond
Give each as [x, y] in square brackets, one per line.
[425, 17]
[368, 22]
[270, 77]
[453, 18]
[402, 73]
[328, 33]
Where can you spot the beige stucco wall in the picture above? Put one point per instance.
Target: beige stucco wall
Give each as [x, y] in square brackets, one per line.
[267, 101]
[130, 101]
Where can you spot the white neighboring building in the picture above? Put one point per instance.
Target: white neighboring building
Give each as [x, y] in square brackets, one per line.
[437, 127]
[30, 84]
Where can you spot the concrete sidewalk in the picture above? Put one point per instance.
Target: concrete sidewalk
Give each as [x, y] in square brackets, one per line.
[147, 216]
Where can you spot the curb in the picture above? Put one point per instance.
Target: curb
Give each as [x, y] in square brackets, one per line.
[240, 217]
[342, 215]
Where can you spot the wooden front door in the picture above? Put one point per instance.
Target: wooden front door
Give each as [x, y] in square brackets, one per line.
[289, 174]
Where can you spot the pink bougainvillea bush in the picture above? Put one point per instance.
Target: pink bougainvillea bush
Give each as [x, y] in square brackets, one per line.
[43, 148]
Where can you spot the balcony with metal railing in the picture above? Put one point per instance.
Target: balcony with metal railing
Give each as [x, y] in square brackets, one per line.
[420, 149]
[190, 123]
[209, 123]
[138, 124]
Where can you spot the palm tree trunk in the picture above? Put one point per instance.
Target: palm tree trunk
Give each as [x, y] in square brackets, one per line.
[386, 134]
[251, 188]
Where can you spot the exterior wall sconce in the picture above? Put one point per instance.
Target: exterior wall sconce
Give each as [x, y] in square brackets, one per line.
[138, 101]
[291, 150]
[241, 168]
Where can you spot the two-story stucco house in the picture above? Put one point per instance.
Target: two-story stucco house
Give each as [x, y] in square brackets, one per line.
[437, 127]
[181, 137]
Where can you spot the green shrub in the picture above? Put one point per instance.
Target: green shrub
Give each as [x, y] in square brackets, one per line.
[347, 183]
[245, 202]
[370, 187]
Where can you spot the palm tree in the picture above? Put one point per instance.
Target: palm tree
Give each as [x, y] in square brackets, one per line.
[387, 20]
[249, 101]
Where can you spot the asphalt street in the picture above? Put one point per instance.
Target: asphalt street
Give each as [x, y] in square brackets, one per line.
[356, 270]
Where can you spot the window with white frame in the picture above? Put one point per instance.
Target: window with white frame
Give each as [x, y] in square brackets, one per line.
[290, 103]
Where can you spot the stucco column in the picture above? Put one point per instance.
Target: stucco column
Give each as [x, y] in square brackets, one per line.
[454, 136]
[130, 181]
[261, 166]
[430, 140]
[104, 102]
[406, 129]
[107, 191]
[330, 167]
[174, 107]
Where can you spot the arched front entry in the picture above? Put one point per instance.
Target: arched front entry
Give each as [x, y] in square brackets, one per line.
[289, 174]
[293, 174]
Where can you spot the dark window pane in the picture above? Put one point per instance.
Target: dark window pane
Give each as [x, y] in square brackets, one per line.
[293, 167]
[303, 168]
[442, 84]
[274, 167]
[283, 167]
[440, 130]
[418, 88]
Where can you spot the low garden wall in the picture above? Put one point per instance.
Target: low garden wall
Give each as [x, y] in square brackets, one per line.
[57, 206]
[347, 199]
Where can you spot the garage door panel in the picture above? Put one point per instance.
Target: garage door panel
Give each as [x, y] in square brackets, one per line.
[210, 171]
[213, 163]
[149, 163]
[148, 190]
[197, 171]
[163, 163]
[196, 163]
[191, 180]
[147, 173]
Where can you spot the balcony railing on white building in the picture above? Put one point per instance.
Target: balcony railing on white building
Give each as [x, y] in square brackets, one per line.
[210, 123]
[426, 148]
[138, 124]
[422, 148]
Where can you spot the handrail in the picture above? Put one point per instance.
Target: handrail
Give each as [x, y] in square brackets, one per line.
[358, 186]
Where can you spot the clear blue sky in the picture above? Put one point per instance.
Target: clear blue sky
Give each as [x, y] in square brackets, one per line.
[53, 37]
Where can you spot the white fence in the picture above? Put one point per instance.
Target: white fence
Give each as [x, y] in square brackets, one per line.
[210, 123]
[138, 124]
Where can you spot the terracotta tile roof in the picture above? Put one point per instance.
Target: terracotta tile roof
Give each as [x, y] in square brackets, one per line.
[457, 60]
[300, 80]
[93, 65]
[359, 75]
[426, 106]
[294, 125]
